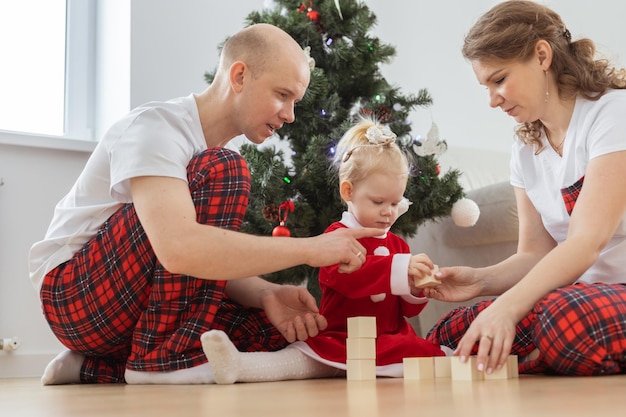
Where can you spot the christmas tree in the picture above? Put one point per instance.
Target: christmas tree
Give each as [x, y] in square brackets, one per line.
[301, 192]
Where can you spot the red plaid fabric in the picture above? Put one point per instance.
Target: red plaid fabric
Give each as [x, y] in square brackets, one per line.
[451, 328]
[115, 303]
[570, 194]
[578, 330]
[581, 330]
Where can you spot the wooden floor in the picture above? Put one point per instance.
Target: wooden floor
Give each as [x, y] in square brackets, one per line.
[535, 396]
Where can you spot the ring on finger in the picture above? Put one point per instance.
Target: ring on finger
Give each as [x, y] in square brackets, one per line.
[488, 337]
[358, 254]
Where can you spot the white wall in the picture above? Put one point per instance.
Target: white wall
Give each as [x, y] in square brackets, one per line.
[172, 43]
[428, 36]
[34, 179]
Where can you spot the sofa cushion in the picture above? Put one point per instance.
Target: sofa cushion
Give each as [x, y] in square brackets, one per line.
[497, 221]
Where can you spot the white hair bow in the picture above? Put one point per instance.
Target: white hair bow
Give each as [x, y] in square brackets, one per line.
[380, 135]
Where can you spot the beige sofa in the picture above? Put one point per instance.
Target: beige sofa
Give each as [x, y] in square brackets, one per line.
[484, 178]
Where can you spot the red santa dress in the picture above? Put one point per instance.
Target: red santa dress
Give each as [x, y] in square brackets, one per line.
[380, 289]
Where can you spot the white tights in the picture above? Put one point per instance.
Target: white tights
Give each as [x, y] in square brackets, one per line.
[230, 366]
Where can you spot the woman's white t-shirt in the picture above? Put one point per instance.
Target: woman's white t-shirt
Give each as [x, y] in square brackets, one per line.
[596, 128]
[156, 139]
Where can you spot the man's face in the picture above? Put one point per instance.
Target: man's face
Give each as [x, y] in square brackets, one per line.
[268, 100]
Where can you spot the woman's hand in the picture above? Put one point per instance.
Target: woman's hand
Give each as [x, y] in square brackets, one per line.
[494, 331]
[458, 283]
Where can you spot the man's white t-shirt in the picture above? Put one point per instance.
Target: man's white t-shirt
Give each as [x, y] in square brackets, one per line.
[596, 128]
[156, 139]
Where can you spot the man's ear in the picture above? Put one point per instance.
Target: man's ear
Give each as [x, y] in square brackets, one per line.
[237, 75]
[345, 190]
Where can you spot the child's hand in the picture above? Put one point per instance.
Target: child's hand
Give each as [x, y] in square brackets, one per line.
[422, 272]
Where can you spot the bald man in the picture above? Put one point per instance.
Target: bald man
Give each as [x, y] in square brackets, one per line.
[143, 255]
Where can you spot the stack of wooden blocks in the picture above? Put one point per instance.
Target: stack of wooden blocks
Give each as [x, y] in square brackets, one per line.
[361, 348]
[361, 359]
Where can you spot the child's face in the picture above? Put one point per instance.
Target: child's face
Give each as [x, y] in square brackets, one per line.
[374, 201]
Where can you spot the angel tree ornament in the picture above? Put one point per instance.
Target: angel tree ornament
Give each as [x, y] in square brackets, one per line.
[309, 58]
[464, 212]
[432, 145]
[283, 211]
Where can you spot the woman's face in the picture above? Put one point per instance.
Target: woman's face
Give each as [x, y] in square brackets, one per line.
[518, 88]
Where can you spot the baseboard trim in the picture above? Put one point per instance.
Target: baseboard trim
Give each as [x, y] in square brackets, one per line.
[14, 365]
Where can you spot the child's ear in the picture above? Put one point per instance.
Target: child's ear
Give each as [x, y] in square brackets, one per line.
[345, 190]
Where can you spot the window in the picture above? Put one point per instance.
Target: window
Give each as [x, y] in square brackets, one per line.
[48, 86]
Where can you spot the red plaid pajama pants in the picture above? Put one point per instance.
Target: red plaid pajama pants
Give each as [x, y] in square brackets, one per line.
[116, 304]
[578, 330]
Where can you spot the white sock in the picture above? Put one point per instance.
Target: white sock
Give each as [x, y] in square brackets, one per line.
[230, 366]
[448, 351]
[64, 369]
[200, 374]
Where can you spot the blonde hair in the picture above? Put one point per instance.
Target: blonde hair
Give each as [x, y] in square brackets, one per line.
[357, 157]
[510, 31]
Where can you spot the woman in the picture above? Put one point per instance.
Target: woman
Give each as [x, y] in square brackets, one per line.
[561, 299]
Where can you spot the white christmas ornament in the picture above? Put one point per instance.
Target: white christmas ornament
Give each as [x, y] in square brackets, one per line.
[465, 212]
[432, 145]
[310, 59]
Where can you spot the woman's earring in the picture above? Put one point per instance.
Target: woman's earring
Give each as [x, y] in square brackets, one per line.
[547, 92]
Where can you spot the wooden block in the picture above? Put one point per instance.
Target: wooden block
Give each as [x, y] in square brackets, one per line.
[419, 368]
[427, 281]
[361, 348]
[502, 373]
[443, 367]
[361, 326]
[361, 369]
[464, 371]
[513, 366]
[508, 371]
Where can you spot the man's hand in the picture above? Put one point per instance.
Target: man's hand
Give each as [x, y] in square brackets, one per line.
[341, 246]
[293, 311]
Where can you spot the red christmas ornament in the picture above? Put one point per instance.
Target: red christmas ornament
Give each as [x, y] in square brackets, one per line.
[312, 14]
[283, 212]
[438, 169]
[281, 230]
